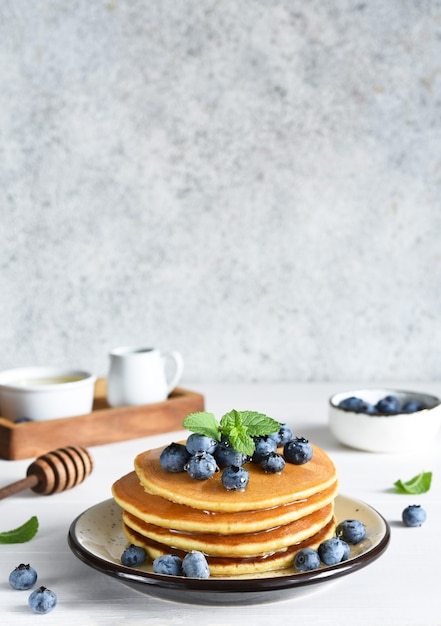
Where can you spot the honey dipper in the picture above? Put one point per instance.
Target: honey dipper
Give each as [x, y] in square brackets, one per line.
[53, 472]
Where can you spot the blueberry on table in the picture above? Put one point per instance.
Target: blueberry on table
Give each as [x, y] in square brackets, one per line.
[195, 565]
[23, 577]
[413, 515]
[201, 466]
[331, 551]
[262, 447]
[42, 600]
[200, 443]
[297, 451]
[388, 405]
[306, 560]
[235, 478]
[272, 463]
[170, 564]
[174, 457]
[133, 555]
[351, 530]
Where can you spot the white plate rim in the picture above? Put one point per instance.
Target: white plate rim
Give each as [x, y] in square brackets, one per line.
[99, 546]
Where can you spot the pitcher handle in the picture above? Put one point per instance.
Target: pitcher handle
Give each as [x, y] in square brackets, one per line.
[178, 362]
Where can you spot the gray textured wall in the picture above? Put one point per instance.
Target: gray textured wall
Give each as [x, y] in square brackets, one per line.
[256, 184]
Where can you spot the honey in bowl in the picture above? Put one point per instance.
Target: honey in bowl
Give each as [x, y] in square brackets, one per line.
[43, 393]
[49, 380]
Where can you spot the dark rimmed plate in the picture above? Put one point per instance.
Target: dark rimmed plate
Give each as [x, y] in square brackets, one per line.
[96, 538]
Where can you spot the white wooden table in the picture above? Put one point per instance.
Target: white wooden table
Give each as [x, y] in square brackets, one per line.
[401, 588]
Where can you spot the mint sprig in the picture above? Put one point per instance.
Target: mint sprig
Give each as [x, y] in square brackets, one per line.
[203, 423]
[23, 533]
[418, 484]
[238, 426]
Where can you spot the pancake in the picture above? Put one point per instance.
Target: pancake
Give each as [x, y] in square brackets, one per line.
[245, 566]
[241, 533]
[239, 545]
[295, 482]
[131, 497]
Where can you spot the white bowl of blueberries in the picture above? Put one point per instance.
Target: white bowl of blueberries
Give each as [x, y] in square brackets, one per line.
[384, 420]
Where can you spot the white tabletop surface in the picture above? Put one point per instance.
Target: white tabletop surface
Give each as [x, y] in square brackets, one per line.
[401, 588]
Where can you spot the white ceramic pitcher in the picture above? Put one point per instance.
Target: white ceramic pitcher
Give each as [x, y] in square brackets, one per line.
[139, 375]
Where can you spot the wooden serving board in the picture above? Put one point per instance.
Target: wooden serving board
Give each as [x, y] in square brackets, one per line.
[104, 425]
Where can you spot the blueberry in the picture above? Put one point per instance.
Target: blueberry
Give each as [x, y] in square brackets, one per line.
[351, 530]
[170, 564]
[200, 443]
[42, 600]
[331, 551]
[174, 457]
[413, 515]
[388, 405]
[226, 455]
[272, 463]
[346, 550]
[297, 451]
[306, 560]
[356, 404]
[23, 420]
[262, 447]
[235, 478]
[283, 435]
[411, 406]
[23, 577]
[195, 565]
[133, 555]
[201, 466]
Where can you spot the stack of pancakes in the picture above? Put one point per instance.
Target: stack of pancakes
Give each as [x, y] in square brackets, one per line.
[241, 532]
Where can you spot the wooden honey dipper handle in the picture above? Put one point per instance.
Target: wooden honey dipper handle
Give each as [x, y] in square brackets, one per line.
[25, 483]
[53, 472]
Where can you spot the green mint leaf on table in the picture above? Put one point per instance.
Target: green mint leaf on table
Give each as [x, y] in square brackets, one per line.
[239, 426]
[418, 484]
[202, 423]
[21, 534]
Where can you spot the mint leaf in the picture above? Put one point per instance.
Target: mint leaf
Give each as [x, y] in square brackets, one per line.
[229, 422]
[418, 484]
[241, 441]
[259, 424]
[241, 426]
[238, 426]
[202, 423]
[21, 534]
[233, 427]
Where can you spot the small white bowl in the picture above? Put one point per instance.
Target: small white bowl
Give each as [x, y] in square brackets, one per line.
[43, 393]
[396, 432]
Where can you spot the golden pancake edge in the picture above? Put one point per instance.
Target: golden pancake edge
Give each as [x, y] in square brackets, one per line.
[264, 491]
[131, 497]
[245, 544]
[237, 566]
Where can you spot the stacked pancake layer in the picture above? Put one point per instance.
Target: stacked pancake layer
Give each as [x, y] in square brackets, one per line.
[257, 530]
